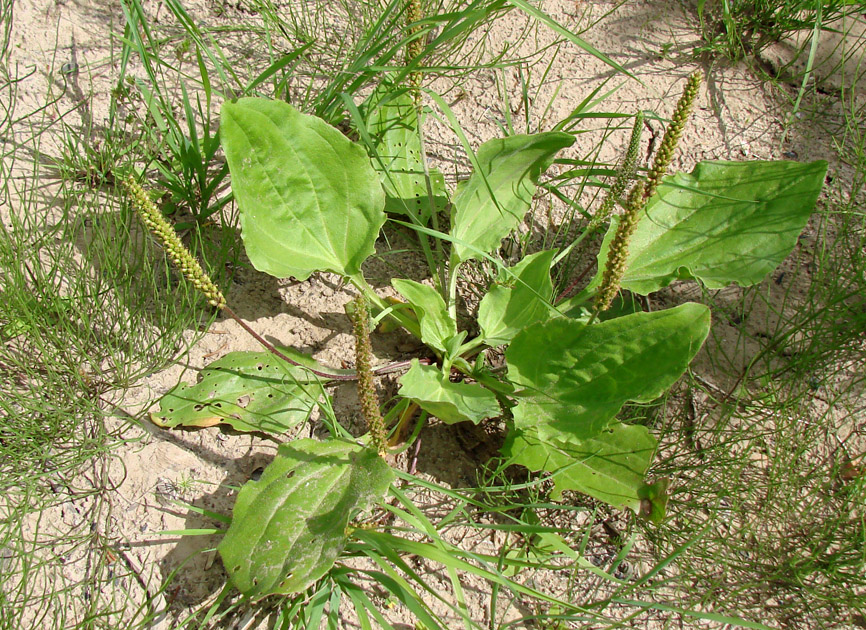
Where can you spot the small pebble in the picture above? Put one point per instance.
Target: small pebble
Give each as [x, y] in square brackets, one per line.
[791, 155]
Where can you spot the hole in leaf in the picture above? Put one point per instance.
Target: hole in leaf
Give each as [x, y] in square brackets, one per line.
[290, 474]
[237, 568]
[198, 407]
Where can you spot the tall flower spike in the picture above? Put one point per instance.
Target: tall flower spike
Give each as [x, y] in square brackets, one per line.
[618, 252]
[414, 48]
[624, 176]
[177, 252]
[672, 135]
[364, 365]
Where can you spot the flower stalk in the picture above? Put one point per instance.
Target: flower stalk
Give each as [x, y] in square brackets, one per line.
[414, 13]
[624, 177]
[615, 268]
[178, 253]
[680, 117]
[360, 317]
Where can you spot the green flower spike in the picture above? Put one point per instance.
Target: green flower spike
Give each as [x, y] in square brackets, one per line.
[177, 252]
[364, 365]
[624, 176]
[672, 135]
[413, 14]
[618, 252]
[640, 194]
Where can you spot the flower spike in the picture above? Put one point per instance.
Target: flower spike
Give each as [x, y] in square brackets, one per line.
[665, 154]
[177, 251]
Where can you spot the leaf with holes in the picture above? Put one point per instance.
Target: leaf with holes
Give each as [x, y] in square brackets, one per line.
[250, 391]
[308, 196]
[396, 155]
[289, 527]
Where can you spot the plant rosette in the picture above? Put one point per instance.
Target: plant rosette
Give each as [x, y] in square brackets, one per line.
[312, 200]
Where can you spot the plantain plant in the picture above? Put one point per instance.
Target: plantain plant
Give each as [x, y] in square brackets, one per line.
[312, 200]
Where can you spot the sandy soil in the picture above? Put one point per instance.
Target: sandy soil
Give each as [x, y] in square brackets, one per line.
[738, 117]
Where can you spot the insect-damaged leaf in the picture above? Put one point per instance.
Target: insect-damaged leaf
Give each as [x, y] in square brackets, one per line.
[250, 391]
[289, 527]
[396, 156]
[308, 196]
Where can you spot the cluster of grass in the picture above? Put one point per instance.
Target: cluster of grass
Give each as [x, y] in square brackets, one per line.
[738, 29]
[769, 523]
[87, 309]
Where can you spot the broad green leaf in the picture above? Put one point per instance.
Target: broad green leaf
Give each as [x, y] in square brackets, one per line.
[289, 527]
[250, 391]
[450, 402]
[393, 124]
[575, 378]
[493, 201]
[436, 325]
[610, 467]
[513, 304]
[309, 198]
[724, 222]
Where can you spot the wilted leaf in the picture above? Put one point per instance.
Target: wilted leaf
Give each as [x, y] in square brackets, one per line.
[250, 391]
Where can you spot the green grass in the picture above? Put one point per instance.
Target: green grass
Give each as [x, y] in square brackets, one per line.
[737, 29]
[88, 308]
